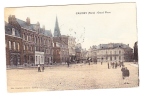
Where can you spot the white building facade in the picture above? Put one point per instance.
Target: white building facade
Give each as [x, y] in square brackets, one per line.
[116, 54]
[112, 52]
[39, 58]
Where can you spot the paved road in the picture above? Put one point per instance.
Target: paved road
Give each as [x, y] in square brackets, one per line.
[75, 77]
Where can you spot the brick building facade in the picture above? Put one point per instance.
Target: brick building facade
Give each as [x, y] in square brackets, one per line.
[35, 42]
[14, 49]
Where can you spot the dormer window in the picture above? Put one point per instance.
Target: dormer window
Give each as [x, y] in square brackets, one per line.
[13, 31]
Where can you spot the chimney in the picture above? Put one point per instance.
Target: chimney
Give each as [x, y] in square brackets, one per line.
[28, 21]
[9, 19]
[13, 18]
[38, 23]
[100, 45]
[43, 27]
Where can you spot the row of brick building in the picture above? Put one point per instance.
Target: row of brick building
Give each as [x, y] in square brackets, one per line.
[29, 45]
[26, 43]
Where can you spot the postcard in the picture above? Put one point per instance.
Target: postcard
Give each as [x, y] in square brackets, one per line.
[71, 47]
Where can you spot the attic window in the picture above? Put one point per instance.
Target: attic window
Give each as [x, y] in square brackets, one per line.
[13, 31]
[8, 29]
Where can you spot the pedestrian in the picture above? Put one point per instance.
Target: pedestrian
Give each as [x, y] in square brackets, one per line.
[68, 63]
[108, 64]
[116, 65]
[122, 70]
[126, 75]
[120, 63]
[39, 68]
[43, 68]
[113, 65]
[101, 62]
[89, 62]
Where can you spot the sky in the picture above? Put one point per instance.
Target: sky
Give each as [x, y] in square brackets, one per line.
[92, 24]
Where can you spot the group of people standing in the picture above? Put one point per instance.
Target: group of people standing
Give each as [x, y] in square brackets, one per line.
[114, 65]
[40, 68]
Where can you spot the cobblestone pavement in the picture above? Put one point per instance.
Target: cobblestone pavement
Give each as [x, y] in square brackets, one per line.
[75, 77]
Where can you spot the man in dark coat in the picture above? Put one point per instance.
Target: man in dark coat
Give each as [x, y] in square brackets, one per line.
[116, 65]
[108, 64]
[68, 63]
[122, 69]
[126, 75]
[113, 65]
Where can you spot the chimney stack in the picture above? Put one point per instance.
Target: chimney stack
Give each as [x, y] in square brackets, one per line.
[28, 20]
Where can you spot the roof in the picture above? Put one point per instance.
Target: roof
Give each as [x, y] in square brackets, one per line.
[33, 27]
[8, 30]
[48, 33]
[77, 49]
[112, 46]
[25, 25]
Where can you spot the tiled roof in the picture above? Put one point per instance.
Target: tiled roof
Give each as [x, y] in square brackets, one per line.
[48, 33]
[78, 49]
[8, 30]
[25, 25]
[112, 46]
[33, 27]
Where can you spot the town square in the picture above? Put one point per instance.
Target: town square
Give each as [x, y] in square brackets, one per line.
[71, 51]
[75, 77]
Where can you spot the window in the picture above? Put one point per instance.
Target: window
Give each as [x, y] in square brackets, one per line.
[27, 47]
[35, 39]
[5, 44]
[27, 38]
[23, 36]
[18, 46]
[40, 40]
[115, 58]
[14, 44]
[41, 58]
[10, 45]
[119, 52]
[30, 48]
[36, 58]
[119, 57]
[30, 38]
[24, 47]
[13, 31]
